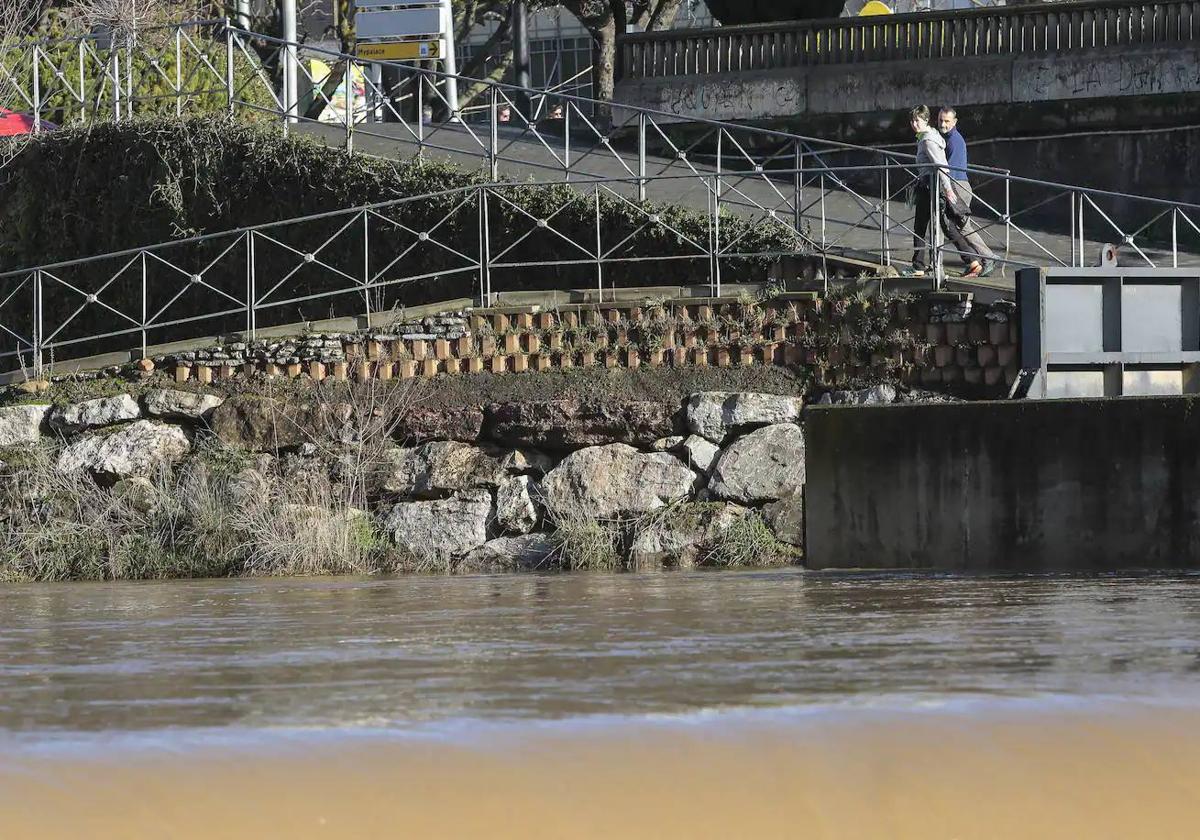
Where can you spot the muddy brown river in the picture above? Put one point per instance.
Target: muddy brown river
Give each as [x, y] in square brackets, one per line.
[752, 704]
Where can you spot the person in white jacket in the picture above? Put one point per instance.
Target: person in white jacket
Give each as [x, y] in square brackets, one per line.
[953, 215]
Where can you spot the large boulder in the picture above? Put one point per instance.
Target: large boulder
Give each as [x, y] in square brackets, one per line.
[564, 425]
[786, 518]
[21, 424]
[763, 466]
[264, 424]
[509, 554]
[606, 482]
[516, 512]
[441, 529]
[717, 415]
[180, 405]
[439, 468]
[423, 423]
[682, 535]
[140, 449]
[91, 414]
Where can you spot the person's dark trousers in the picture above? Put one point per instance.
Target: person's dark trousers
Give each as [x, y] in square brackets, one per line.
[921, 246]
[921, 200]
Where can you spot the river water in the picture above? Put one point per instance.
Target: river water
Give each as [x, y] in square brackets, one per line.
[773, 704]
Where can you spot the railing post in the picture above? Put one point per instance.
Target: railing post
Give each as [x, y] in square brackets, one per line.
[349, 78]
[599, 246]
[229, 67]
[83, 96]
[251, 286]
[37, 324]
[115, 64]
[178, 73]
[1074, 260]
[145, 286]
[567, 140]
[885, 214]
[715, 241]
[420, 74]
[366, 257]
[1174, 237]
[494, 139]
[935, 223]
[1007, 214]
[797, 186]
[1080, 229]
[37, 90]
[486, 249]
[641, 156]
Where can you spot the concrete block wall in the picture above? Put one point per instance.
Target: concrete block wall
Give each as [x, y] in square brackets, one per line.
[939, 341]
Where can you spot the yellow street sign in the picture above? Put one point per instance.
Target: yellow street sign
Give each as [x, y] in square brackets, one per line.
[401, 50]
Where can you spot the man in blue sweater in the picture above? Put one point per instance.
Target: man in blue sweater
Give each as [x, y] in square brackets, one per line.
[956, 154]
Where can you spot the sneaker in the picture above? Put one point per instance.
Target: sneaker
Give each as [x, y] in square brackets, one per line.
[989, 268]
[913, 272]
[975, 269]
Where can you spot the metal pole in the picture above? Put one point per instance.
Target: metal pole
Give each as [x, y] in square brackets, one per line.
[420, 79]
[249, 283]
[567, 140]
[178, 73]
[1080, 228]
[487, 249]
[349, 111]
[115, 61]
[1174, 237]
[494, 138]
[599, 247]
[450, 60]
[1074, 261]
[716, 251]
[83, 96]
[935, 221]
[251, 298]
[290, 60]
[144, 286]
[37, 92]
[366, 243]
[1007, 215]
[37, 324]
[797, 186]
[641, 155]
[520, 47]
[886, 217]
[228, 67]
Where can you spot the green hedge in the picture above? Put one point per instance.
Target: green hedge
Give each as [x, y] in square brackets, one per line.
[77, 193]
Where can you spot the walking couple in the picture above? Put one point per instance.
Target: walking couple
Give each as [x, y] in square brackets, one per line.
[947, 152]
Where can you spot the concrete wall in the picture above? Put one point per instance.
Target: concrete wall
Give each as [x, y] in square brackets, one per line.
[898, 85]
[1006, 486]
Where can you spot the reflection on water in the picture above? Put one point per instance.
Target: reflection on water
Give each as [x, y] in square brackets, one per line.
[681, 705]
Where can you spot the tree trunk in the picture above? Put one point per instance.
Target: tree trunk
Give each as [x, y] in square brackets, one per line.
[606, 62]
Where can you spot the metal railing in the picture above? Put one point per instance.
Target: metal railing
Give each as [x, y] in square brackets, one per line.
[992, 31]
[837, 198]
[474, 241]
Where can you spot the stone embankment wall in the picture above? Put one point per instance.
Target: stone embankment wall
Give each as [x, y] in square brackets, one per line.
[718, 479]
[938, 341]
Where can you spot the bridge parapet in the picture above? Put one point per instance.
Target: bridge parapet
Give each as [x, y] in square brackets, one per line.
[993, 31]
